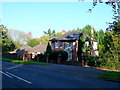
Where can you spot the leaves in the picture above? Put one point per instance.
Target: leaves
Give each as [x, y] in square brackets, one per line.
[33, 42]
[6, 42]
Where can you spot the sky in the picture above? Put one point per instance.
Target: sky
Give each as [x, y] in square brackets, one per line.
[37, 17]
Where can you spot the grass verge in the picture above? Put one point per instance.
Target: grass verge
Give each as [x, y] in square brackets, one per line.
[24, 62]
[111, 75]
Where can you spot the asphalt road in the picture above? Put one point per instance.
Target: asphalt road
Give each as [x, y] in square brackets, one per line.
[52, 76]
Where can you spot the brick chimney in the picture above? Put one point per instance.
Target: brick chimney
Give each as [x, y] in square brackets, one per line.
[92, 33]
[63, 32]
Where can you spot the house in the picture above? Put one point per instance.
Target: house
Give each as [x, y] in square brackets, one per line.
[68, 41]
[28, 53]
[23, 53]
[38, 49]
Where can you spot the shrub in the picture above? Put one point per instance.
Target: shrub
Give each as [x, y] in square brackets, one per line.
[48, 49]
[41, 57]
[92, 61]
[54, 55]
[108, 61]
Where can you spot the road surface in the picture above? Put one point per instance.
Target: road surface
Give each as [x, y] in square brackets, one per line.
[52, 76]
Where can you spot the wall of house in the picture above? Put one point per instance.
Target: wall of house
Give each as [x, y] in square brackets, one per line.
[94, 45]
[70, 47]
[95, 49]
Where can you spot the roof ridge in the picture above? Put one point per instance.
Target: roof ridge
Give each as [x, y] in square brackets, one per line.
[67, 33]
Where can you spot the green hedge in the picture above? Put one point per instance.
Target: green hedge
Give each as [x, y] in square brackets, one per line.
[54, 55]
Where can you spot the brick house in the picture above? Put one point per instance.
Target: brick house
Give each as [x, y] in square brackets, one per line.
[28, 53]
[68, 41]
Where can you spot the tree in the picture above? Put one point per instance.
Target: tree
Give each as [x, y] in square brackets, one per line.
[116, 40]
[33, 42]
[108, 41]
[100, 40]
[87, 30]
[7, 43]
[110, 48]
[19, 37]
[50, 33]
[44, 40]
[81, 47]
[48, 49]
[100, 36]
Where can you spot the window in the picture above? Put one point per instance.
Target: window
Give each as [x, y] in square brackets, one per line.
[74, 35]
[56, 45]
[61, 44]
[69, 44]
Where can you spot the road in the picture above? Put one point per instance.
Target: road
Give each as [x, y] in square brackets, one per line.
[52, 76]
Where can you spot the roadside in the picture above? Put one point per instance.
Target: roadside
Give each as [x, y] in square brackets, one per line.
[98, 72]
[24, 62]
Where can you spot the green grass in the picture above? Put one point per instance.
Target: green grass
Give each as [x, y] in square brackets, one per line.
[111, 75]
[24, 62]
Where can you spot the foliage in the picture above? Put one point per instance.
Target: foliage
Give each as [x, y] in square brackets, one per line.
[24, 62]
[101, 36]
[50, 33]
[108, 41]
[81, 46]
[20, 37]
[33, 42]
[44, 40]
[17, 44]
[92, 61]
[48, 49]
[110, 75]
[87, 30]
[100, 39]
[54, 55]
[108, 46]
[7, 44]
[116, 40]
[42, 57]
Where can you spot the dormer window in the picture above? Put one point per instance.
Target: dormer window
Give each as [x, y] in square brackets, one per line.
[74, 35]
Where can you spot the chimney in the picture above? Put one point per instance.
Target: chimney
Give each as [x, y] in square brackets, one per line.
[92, 33]
[63, 32]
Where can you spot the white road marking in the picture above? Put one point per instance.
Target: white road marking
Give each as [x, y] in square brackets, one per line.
[19, 78]
[14, 67]
[6, 74]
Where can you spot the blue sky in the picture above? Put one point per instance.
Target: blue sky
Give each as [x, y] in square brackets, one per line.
[37, 17]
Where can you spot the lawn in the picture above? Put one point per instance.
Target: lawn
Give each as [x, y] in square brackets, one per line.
[111, 75]
[24, 62]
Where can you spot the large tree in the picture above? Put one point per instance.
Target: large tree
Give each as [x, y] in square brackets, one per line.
[7, 43]
[33, 42]
[87, 30]
[81, 47]
[19, 37]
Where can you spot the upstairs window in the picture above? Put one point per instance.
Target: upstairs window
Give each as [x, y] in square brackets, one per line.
[61, 45]
[56, 45]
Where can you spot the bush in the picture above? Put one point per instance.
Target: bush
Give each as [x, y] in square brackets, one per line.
[41, 57]
[109, 62]
[92, 61]
[54, 55]
[48, 49]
